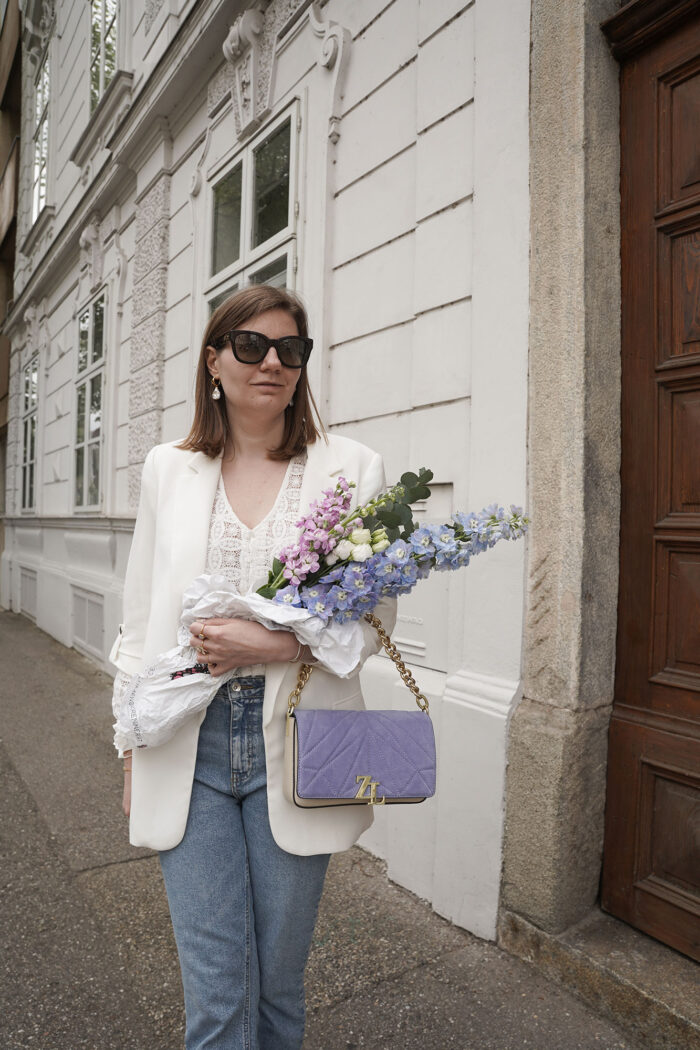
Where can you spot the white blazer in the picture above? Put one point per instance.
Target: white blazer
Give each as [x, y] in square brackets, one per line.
[168, 551]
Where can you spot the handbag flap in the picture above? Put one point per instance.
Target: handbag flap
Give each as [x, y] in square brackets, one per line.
[341, 754]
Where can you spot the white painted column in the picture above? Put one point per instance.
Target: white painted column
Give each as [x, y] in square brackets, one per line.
[480, 696]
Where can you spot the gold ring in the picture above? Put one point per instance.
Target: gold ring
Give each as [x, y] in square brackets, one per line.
[201, 635]
[202, 650]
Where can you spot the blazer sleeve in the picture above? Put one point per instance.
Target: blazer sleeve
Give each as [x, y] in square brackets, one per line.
[127, 651]
[372, 483]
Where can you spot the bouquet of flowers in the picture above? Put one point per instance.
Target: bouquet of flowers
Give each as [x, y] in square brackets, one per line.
[343, 563]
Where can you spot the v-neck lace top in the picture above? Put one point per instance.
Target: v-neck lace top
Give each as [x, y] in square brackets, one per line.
[243, 555]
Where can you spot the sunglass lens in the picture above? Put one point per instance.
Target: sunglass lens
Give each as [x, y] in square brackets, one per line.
[291, 351]
[250, 347]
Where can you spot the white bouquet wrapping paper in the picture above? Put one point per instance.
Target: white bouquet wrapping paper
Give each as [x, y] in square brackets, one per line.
[155, 704]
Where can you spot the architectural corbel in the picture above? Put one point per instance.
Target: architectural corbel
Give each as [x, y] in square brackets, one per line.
[37, 21]
[241, 50]
[334, 50]
[91, 261]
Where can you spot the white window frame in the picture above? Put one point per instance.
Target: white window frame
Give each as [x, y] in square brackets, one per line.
[100, 5]
[251, 260]
[29, 420]
[84, 377]
[40, 134]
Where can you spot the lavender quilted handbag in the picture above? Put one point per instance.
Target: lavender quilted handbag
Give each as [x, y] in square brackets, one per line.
[359, 758]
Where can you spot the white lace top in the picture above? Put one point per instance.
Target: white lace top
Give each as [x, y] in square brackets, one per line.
[243, 555]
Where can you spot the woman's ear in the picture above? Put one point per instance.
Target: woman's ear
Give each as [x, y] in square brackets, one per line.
[211, 359]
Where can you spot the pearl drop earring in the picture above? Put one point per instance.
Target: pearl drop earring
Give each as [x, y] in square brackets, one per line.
[216, 392]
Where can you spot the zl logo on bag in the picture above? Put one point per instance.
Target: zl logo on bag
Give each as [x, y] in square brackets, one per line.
[325, 748]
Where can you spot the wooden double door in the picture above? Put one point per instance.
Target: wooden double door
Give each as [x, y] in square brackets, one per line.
[651, 863]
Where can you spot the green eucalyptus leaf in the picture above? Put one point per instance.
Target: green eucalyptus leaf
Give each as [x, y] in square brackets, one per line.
[409, 479]
[389, 518]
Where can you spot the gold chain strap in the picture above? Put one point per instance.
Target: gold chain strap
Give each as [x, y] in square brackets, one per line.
[408, 679]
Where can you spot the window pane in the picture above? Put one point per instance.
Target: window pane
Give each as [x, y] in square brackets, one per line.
[218, 299]
[30, 494]
[79, 461]
[32, 437]
[227, 220]
[98, 316]
[274, 273]
[27, 390]
[37, 174]
[25, 443]
[45, 83]
[95, 405]
[34, 382]
[94, 84]
[271, 186]
[83, 326]
[25, 486]
[110, 54]
[95, 31]
[80, 420]
[41, 188]
[93, 473]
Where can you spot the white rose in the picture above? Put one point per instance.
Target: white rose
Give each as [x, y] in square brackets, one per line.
[361, 552]
[360, 536]
[380, 545]
[343, 549]
[331, 559]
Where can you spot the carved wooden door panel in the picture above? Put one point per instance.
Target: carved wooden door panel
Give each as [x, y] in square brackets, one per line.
[651, 869]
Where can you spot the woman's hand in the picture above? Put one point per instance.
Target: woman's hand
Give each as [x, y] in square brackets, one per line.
[126, 797]
[237, 643]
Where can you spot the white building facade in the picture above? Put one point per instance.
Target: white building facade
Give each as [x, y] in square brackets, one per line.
[374, 157]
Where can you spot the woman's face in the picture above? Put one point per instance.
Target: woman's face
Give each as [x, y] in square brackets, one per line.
[266, 387]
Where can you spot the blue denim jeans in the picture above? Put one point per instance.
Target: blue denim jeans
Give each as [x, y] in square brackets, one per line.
[243, 909]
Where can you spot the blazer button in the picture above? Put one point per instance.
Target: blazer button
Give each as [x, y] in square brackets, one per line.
[236, 688]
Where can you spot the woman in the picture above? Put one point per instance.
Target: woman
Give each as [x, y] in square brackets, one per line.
[243, 867]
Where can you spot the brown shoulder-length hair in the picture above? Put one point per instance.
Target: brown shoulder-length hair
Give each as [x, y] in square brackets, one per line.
[210, 427]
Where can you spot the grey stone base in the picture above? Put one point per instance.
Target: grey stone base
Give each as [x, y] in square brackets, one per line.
[623, 974]
[554, 813]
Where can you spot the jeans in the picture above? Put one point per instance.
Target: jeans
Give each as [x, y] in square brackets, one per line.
[243, 909]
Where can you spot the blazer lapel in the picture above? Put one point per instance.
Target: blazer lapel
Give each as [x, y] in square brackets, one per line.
[195, 489]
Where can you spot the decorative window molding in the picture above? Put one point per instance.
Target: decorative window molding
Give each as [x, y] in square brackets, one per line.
[38, 18]
[89, 400]
[43, 225]
[40, 136]
[103, 48]
[112, 107]
[29, 396]
[254, 211]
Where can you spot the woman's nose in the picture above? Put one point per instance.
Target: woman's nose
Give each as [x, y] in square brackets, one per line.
[271, 360]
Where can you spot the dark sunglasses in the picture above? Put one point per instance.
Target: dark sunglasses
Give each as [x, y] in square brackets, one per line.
[251, 347]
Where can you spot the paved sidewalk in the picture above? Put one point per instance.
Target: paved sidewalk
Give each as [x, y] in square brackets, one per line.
[88, 957]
